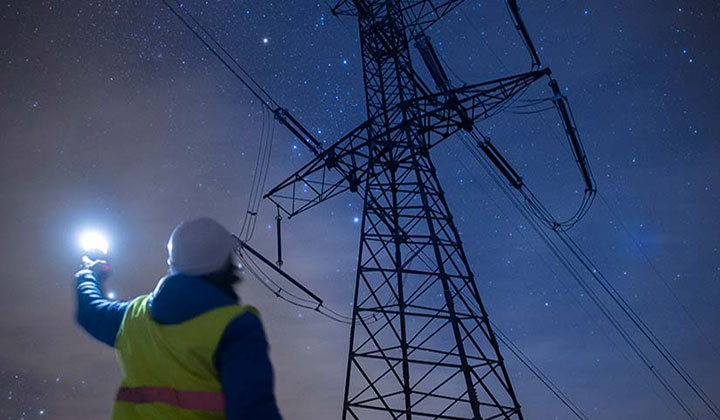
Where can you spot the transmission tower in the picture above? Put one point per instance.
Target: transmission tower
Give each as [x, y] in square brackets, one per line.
[421, 344]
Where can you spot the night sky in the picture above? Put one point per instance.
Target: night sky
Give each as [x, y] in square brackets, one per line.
[113, 116]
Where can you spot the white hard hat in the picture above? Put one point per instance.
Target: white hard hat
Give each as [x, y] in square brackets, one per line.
[199, 246]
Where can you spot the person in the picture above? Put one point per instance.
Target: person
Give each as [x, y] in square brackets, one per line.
[187, 350]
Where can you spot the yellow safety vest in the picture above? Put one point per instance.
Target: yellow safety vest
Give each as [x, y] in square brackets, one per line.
[169, 369]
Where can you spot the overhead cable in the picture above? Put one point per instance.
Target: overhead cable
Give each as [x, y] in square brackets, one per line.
[591, 268]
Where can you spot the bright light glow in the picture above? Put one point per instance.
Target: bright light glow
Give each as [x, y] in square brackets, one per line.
[111, 295]
[94, 241]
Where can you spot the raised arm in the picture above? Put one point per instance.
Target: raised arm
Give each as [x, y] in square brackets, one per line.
[99, 316]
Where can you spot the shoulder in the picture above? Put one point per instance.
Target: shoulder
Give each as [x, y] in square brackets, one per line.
[244, 334]
[250, 310]
[138, 305]
[245, 325]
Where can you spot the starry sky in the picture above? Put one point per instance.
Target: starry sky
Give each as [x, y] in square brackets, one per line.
[113, 116]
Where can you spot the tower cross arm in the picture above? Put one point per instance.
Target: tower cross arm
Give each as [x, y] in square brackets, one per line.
[345, 165]
[335, 170]
[464, 106]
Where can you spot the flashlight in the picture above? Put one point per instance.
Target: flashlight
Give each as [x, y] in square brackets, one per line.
[95, 247]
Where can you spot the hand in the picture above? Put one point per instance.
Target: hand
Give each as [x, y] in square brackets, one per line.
[101, 268]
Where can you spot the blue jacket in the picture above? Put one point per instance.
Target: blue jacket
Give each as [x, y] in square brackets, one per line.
[241, 357]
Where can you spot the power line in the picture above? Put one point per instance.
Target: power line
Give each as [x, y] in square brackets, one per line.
[538, 373]
[251, 265]
[659, 275]
[260, 174]
[587, 264]
[577, 301]
[227, 60]
[638, 321]
[211, 43]
[590, 293]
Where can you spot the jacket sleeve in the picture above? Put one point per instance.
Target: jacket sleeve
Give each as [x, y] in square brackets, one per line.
[99, 316]
[245, 371]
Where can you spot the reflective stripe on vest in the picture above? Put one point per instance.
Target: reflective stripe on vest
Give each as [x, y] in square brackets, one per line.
[190, 400]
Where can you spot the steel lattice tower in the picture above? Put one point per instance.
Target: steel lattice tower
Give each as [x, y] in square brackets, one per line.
[431, 352]
[421, 344]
